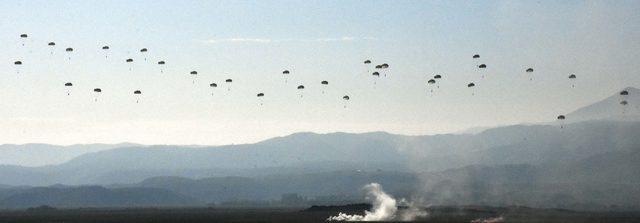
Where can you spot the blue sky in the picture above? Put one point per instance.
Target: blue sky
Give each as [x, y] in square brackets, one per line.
[253, 41]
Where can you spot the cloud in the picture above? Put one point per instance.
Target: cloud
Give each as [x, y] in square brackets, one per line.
[265, 40]
[238, 40]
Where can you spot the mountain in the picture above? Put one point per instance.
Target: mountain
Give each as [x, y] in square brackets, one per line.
[338, 183]
[45, 154]
[316, 153]
[610, 108]
[94, 196]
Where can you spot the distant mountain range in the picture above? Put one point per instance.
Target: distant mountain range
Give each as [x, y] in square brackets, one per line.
[592, 161]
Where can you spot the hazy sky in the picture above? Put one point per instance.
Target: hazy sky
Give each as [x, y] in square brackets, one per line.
[253, 41]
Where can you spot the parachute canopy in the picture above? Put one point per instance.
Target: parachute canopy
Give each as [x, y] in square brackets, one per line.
[23, 36]
[213, 85]
[260, 95]
[285, 72]
[18, 62]
[378, 67]
[97, 90]
[161, 62]
[300, 87]
[529, 70]
[384, 66]
[476, 56]
[51, 44]
[471, 84]
[560, 117]
[624, 102]
[624, 92]
[367, 61]
[432, 81]
[324, 82]
[573, 76]
[137, 92]
[69, 49]
[482, 66]
[105, 47]
[193, 72]
[346, 97]
[438, 76]
[143, 50]
[129, 60]
[68, 84]
[228, 80]
[375, 74]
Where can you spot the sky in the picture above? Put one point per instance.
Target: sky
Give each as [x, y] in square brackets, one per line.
[252, 42]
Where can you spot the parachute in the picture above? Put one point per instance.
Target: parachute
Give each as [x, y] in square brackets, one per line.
[375, 74]
[471, 85]
[130, 61]
[194, 74]
[367, 64]
[228, 81]
[571, 77]
[431, 82]
[69, 50]
[284, 72]
[161, 63]
[482, 66]
[438, 76]
[18, 64]
[624, 92]
[346, 99]
[137, 93]
[260, 95]
[301, 87]
[476, 56]
[96, 93]
[106, 49]
[561, 119]
[378, 67]
[23, 37]
[530, 70]
[144, 51]
[68, 85]
[624, 102]
[325, 83]
[51, 44]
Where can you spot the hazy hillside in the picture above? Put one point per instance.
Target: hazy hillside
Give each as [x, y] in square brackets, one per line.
[610, 108]
[44, 154]
[314, 153]
[94, 196]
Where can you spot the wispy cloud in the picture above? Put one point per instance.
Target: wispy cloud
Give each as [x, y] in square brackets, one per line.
[265, 40]
[238, 40]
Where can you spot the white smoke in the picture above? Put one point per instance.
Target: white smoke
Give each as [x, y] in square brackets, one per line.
[489, 220]
[412, 212]
[384, 207]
